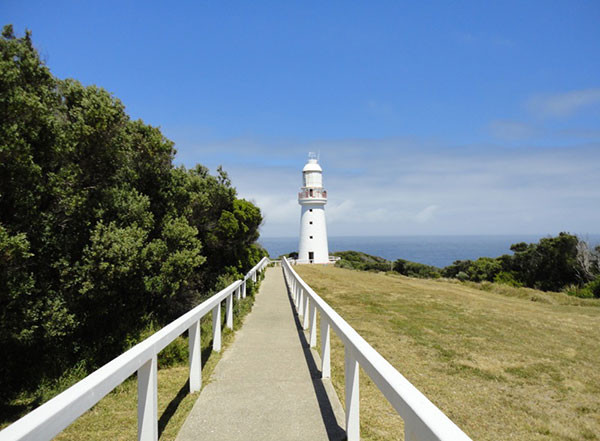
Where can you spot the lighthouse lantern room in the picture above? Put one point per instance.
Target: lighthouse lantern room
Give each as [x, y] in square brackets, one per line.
[312, 198]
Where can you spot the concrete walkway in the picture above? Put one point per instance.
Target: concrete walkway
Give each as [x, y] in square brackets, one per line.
[267, 385]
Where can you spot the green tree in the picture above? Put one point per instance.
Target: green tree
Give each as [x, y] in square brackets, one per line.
[99, 233]
[415, 269]
[484, 269]
[551, 264]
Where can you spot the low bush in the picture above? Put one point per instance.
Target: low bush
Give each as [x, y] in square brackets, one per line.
[361, 261]
[507, 278]
[462, 276]
[415, 269]
[590, 290]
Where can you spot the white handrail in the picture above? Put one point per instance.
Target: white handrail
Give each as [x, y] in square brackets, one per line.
[422, 419]
[54, 416]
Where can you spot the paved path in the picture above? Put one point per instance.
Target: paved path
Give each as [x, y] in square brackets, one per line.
[267, 385]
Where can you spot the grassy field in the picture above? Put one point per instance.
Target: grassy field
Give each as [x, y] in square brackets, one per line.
[501, 362]
[115, 416]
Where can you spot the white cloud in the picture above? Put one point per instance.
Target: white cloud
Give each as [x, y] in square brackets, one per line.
[340, 211]
[276, 209]
[397, 186]
[426, 214]
[563, 104]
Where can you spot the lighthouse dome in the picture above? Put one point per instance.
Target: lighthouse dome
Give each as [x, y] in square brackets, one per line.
[312, 174]
[312, 166]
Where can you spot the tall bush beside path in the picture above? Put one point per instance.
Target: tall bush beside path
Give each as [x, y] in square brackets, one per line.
[99, 233]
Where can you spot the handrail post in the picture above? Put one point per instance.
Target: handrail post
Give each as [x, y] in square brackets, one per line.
[313, 325]
[195, 357]
[244, 290]
[305, 311]
[294, 292]
[216, 325]
[325, 348]
[352, 395]
[238, 292]
[229, 311]
[301, 302]
[148, 401]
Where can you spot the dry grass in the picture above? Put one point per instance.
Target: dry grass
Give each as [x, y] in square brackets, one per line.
[502, 363]
[115, 416]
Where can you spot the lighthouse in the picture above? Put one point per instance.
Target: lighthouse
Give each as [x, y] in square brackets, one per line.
[312, 198]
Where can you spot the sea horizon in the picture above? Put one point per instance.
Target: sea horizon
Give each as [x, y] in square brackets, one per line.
[432, 249]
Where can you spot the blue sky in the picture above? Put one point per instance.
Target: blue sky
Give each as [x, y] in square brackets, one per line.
[430, 117]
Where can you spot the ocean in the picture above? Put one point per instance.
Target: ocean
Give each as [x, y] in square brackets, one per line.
[438, 251]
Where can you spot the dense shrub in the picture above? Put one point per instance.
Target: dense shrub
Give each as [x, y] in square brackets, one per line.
[459, 266]
[414, 269]
[99, 233]
[361, 261]
[462, 276]
[589, 290]
[556, 263]
[552, 264]
[484, 269]
[507, 278]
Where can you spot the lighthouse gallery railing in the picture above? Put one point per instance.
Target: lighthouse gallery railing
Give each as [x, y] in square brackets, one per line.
[312, 194]
[51, 418]
[422, 419]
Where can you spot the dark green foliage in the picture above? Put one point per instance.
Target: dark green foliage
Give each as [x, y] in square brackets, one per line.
[414, 269]
[593, 287]
[556, 263]
[589, 290]
[459, 266]
[462, 276]
[507, 278]
[484, 268]
[552, 264]
[99, 234]
[361, 261]
[549, 265]
[251, 288]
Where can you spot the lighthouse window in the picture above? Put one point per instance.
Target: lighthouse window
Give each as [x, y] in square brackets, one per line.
[310, 222]
[310, 209]
[310, 237]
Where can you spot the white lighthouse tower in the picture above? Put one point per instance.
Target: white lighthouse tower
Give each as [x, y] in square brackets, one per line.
[313, 230]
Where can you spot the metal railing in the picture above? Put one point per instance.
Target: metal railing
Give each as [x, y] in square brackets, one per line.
[422, 419]
[54, 416]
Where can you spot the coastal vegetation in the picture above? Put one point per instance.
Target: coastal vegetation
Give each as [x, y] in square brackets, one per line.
[561, 263]
[102, 238]
[500, 365]
[115, 416]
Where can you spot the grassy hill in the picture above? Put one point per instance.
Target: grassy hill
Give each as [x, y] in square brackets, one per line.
[501, 362]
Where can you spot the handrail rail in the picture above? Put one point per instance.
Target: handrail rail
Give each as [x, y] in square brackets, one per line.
[49, 419]
[422, 419]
